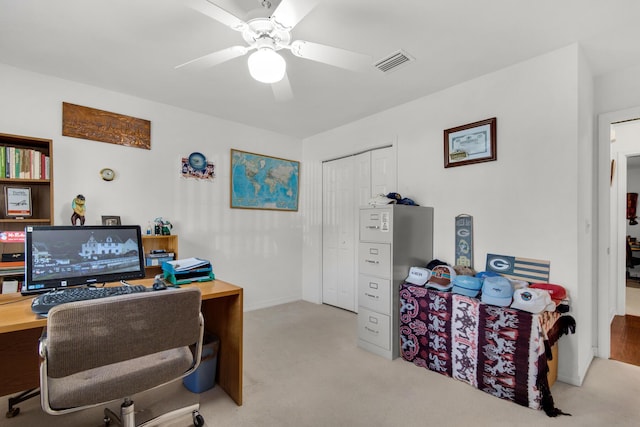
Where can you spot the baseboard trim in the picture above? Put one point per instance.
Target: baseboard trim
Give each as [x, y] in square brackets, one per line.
[579, 379]
[272, 302]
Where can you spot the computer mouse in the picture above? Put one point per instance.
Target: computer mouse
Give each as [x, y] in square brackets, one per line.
[159, 285]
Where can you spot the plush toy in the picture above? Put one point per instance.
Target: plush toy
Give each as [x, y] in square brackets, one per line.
[79, 208]
[463, 270]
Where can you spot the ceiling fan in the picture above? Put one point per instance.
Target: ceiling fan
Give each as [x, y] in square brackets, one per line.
[269, 35]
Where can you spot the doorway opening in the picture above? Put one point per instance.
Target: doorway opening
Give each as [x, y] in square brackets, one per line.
[624, 286]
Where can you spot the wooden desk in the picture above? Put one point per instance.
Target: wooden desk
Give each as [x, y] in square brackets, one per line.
[20, 330]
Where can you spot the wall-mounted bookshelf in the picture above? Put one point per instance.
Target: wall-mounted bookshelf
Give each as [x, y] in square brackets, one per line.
[26, 191]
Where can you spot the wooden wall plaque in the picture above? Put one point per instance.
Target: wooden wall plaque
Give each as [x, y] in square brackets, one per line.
[104, 126]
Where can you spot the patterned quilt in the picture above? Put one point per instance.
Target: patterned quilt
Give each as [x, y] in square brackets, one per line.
[495, 349]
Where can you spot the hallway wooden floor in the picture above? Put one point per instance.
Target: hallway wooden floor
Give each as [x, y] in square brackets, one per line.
[625, 339]
[625, 330]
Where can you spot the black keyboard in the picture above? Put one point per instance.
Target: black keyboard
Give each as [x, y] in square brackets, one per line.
[43, 303]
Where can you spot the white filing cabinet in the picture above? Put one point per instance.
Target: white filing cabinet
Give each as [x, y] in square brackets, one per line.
[393, 238]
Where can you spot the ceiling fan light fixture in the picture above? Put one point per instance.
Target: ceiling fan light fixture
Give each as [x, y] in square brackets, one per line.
[266, 65]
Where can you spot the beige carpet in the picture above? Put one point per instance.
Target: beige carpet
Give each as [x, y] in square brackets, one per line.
[303, 368]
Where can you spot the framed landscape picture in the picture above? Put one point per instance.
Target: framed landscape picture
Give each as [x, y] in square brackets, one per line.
[263, 182]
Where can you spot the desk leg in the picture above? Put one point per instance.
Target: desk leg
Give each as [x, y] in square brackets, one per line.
[224, 317]
[19, 361]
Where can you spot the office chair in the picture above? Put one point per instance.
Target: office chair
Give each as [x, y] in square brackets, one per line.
[97, 351]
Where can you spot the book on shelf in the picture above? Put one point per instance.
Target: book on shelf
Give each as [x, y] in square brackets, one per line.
[11, 264]
[17, 156]
[24, 163]
[11, 154]
[157, 261]
[160, 255]
[156, 258]
[11, 268]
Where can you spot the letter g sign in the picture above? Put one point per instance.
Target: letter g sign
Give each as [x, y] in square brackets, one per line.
[500, 264]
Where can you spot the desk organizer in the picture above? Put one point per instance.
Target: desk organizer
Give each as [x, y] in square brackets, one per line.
[199, 271]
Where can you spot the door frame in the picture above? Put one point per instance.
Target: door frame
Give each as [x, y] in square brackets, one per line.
[619, 234]
[608, 226]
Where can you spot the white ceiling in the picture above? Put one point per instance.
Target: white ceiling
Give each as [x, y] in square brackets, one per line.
[132, 46]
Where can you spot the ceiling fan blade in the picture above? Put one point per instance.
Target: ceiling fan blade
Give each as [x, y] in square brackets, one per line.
[290, 12]
[214, 58]
[282, 89]
[218, 13]
[331, 55]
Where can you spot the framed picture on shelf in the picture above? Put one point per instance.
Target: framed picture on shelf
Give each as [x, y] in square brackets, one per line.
[110, 220]
[471, 143]
[18, 201]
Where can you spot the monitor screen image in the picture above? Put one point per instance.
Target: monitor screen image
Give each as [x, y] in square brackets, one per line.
[61, 256]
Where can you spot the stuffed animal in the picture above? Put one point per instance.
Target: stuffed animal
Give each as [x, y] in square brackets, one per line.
[79, 208]
[463, 270]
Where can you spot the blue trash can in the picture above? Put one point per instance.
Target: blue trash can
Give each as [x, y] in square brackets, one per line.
[204, 377]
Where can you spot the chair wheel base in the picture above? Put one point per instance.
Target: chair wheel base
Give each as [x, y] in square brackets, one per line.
[12, 412]
[198, 420]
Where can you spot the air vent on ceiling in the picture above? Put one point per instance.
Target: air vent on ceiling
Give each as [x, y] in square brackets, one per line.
[394, 61]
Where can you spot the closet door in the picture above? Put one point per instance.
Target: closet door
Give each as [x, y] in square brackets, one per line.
[346, 187]
[338, 228]
[362, 184]
[384, 177]
[348, 184]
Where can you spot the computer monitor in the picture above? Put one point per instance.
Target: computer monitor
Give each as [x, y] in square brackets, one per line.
[62, 256]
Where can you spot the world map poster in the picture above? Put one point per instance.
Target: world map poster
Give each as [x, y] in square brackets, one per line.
[263, 182]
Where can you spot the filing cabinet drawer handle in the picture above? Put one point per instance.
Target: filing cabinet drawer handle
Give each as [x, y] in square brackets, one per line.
[371, 261]
[373, 227]
[372, 296]
[371, 330]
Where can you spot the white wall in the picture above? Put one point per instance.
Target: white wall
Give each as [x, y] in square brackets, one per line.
[618, 90]
[585, 307]
[524, 204]
[258, 250]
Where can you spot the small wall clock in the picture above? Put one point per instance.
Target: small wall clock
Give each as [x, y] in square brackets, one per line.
[107, 174]
[197, 161]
